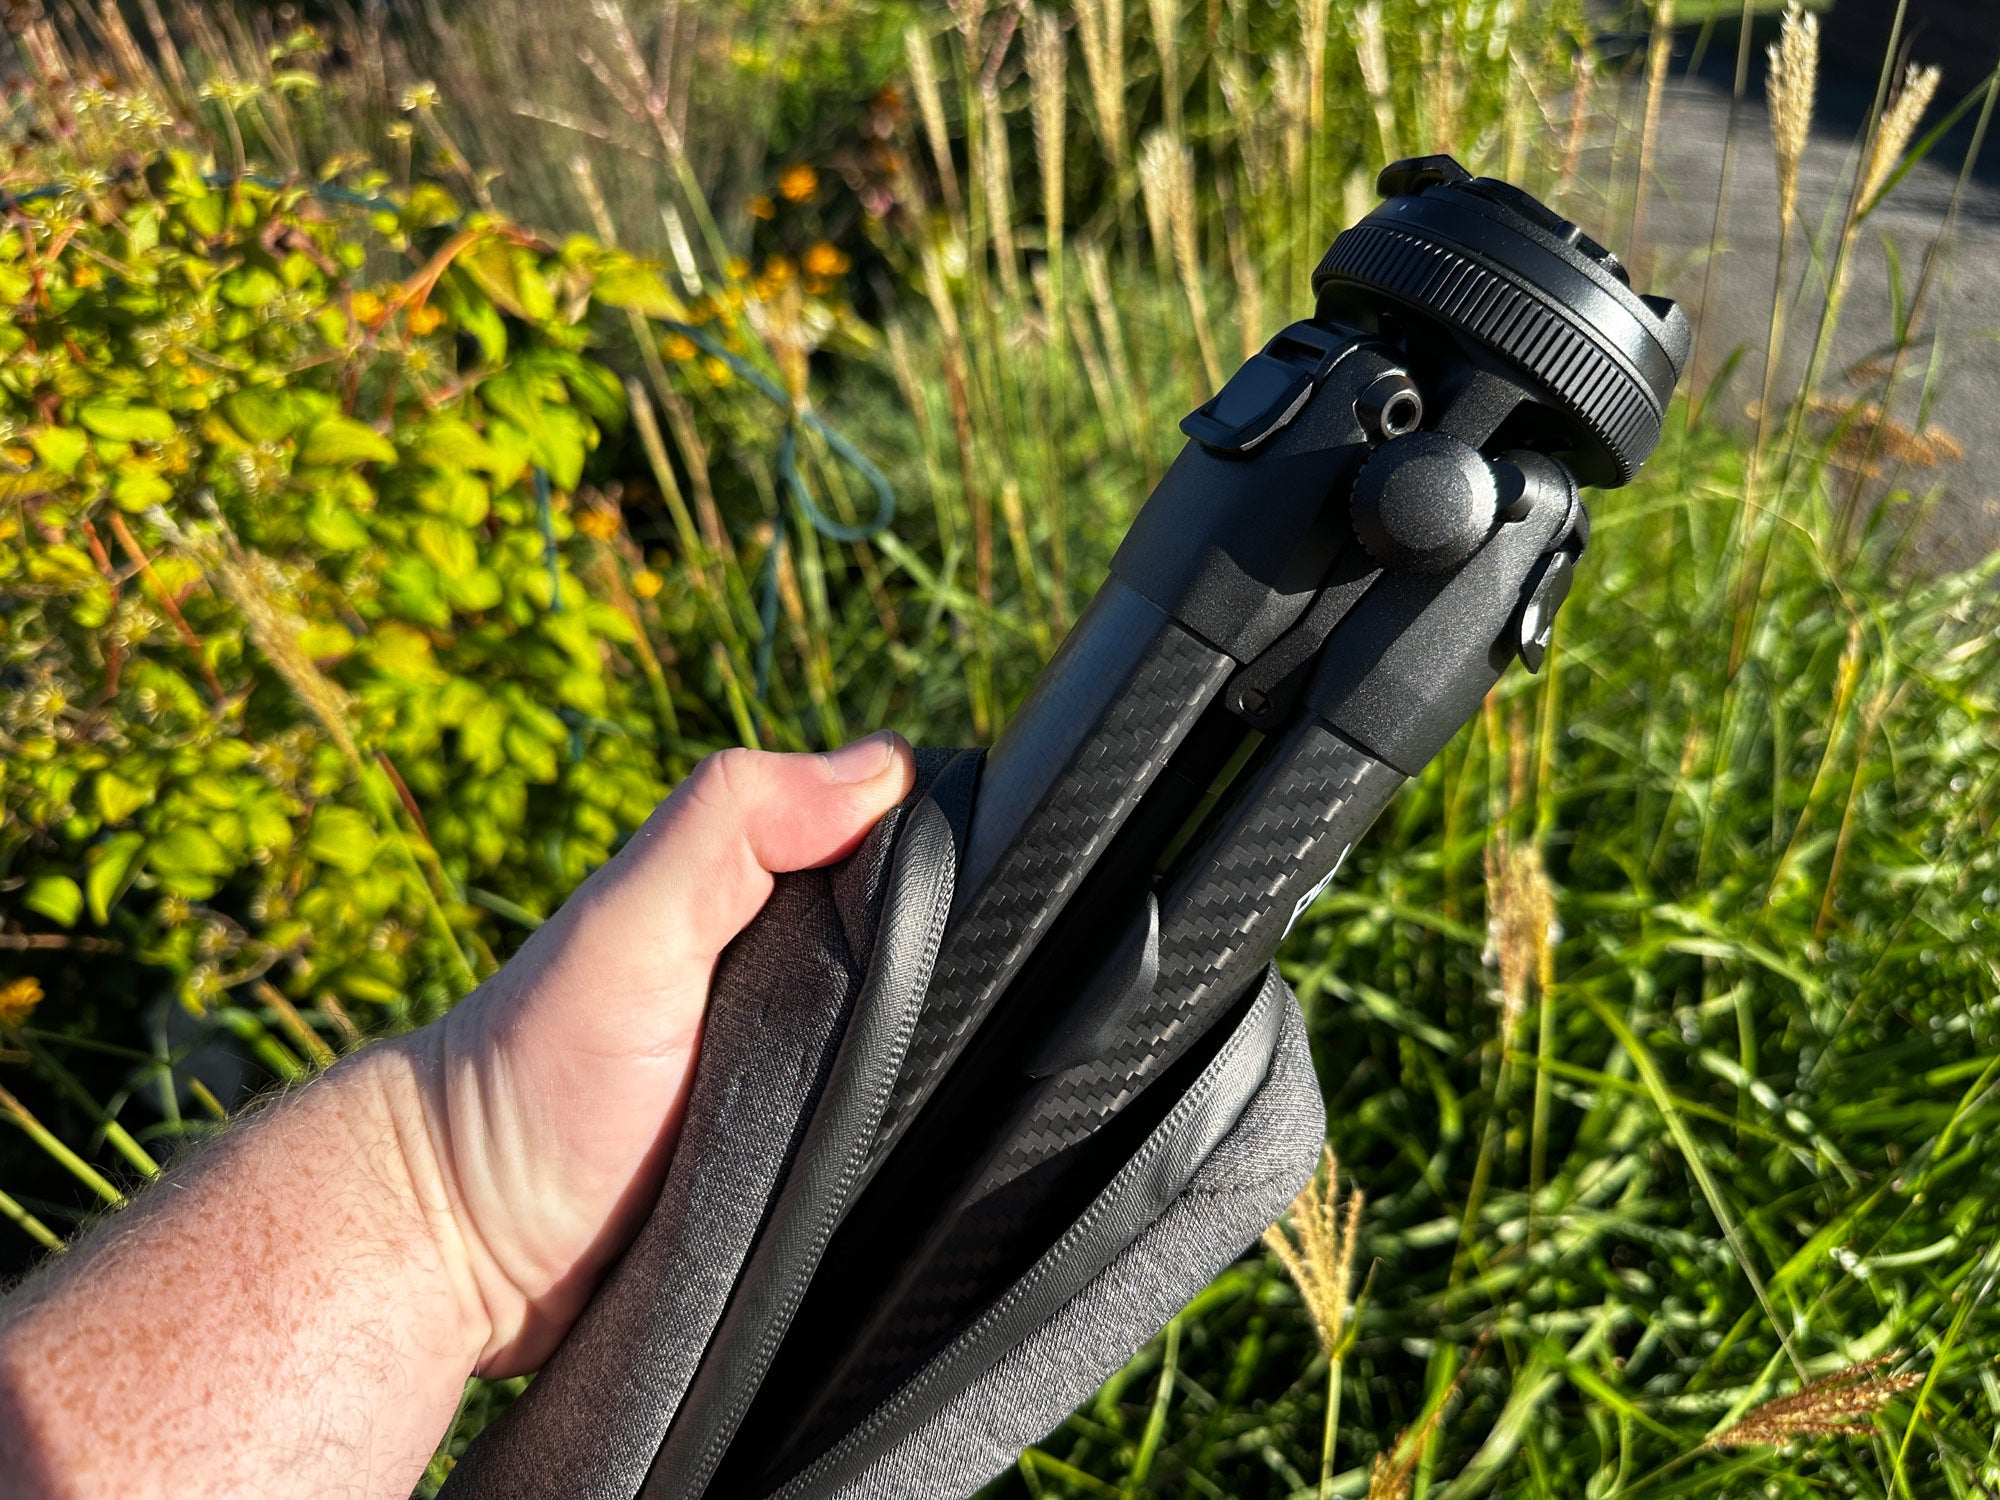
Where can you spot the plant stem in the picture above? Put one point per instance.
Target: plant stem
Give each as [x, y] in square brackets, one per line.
[1331, 1433]
[40, 1134]
[33, 1227]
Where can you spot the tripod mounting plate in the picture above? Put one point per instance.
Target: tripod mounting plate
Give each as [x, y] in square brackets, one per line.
[1493, 267]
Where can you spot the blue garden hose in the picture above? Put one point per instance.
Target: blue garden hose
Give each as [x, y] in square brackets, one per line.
[795, 484]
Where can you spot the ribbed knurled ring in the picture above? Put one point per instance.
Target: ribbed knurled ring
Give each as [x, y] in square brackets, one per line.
[1590, 382]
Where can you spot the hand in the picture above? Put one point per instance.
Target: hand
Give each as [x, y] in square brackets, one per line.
[550, 1099]
[295, 1311]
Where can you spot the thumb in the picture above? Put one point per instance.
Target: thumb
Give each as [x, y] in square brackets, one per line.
[701, 867]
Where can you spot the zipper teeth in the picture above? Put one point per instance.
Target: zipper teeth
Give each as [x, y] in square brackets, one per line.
[917, 1384]
[857, 1155]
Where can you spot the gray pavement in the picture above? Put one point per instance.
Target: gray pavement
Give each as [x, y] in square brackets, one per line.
[1964, 523]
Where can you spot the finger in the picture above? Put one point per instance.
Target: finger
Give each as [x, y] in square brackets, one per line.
[701, 868]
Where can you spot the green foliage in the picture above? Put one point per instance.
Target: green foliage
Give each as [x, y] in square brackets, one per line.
[270, 536]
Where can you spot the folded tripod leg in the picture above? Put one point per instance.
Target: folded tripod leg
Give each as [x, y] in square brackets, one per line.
[1104, 1090]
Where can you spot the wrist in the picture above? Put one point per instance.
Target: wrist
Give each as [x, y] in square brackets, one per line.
[401, 1086]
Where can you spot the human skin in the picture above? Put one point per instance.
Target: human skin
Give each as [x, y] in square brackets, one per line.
[295, 1312]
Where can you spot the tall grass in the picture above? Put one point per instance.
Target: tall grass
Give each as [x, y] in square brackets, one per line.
[1658, 1018]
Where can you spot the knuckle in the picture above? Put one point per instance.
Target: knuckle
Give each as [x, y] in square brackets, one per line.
[723, 777]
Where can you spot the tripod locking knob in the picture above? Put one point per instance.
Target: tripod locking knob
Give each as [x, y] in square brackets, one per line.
[1424, 502]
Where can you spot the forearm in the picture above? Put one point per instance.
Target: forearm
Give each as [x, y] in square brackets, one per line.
[296, 1312]
[291, 1314]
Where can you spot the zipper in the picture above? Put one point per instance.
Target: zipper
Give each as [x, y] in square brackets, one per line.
[841, 1456]
[694, 1480]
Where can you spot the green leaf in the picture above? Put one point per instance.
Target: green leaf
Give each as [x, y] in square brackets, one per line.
[636, 287]
[479, 738]
[564, 441]
[56, 897]
[474, 315]
[529, 754]
[449, 547]
[61, 448]
[263, 415]
[449, 443]
[338, 441]
[188, 859]
[126, 424]
[135, 488]
[251, 287]
[107, 876]
[333, 525]
[474, 591]
[118, 798]
[492, 269]
[456, 494]
[343, 838]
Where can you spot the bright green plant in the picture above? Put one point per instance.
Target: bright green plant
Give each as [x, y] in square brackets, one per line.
[301, 658]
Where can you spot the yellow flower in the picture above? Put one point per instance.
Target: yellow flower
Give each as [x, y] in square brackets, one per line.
[599, 524]
[797, 183]
[18, 999]
[826, 260]
[367, 307]
[717, 371]
[424, 319]
[736, 268]
[678, 347]
[647, 584]
[84, 274]
[761, 207]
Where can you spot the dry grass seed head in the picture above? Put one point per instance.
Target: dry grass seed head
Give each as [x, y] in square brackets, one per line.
[1390, 1475]
[1898, 445]
[1521, 926]
[930, 105]
[254, 584]
[1046, 62]
[1846, 1401]
[1899, 124]
[1158, 169]
[1321, 1259]
[1101, 25]
[1789, 87]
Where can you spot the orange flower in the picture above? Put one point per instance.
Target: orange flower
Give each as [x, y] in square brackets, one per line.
[18, 999]
[826, 260]
[599, 524]
[717, 372]
[774, 278]
[423, 320]
[798, 182]
[678, 347]
[761, 207]
[367, 307]
[647, 584]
